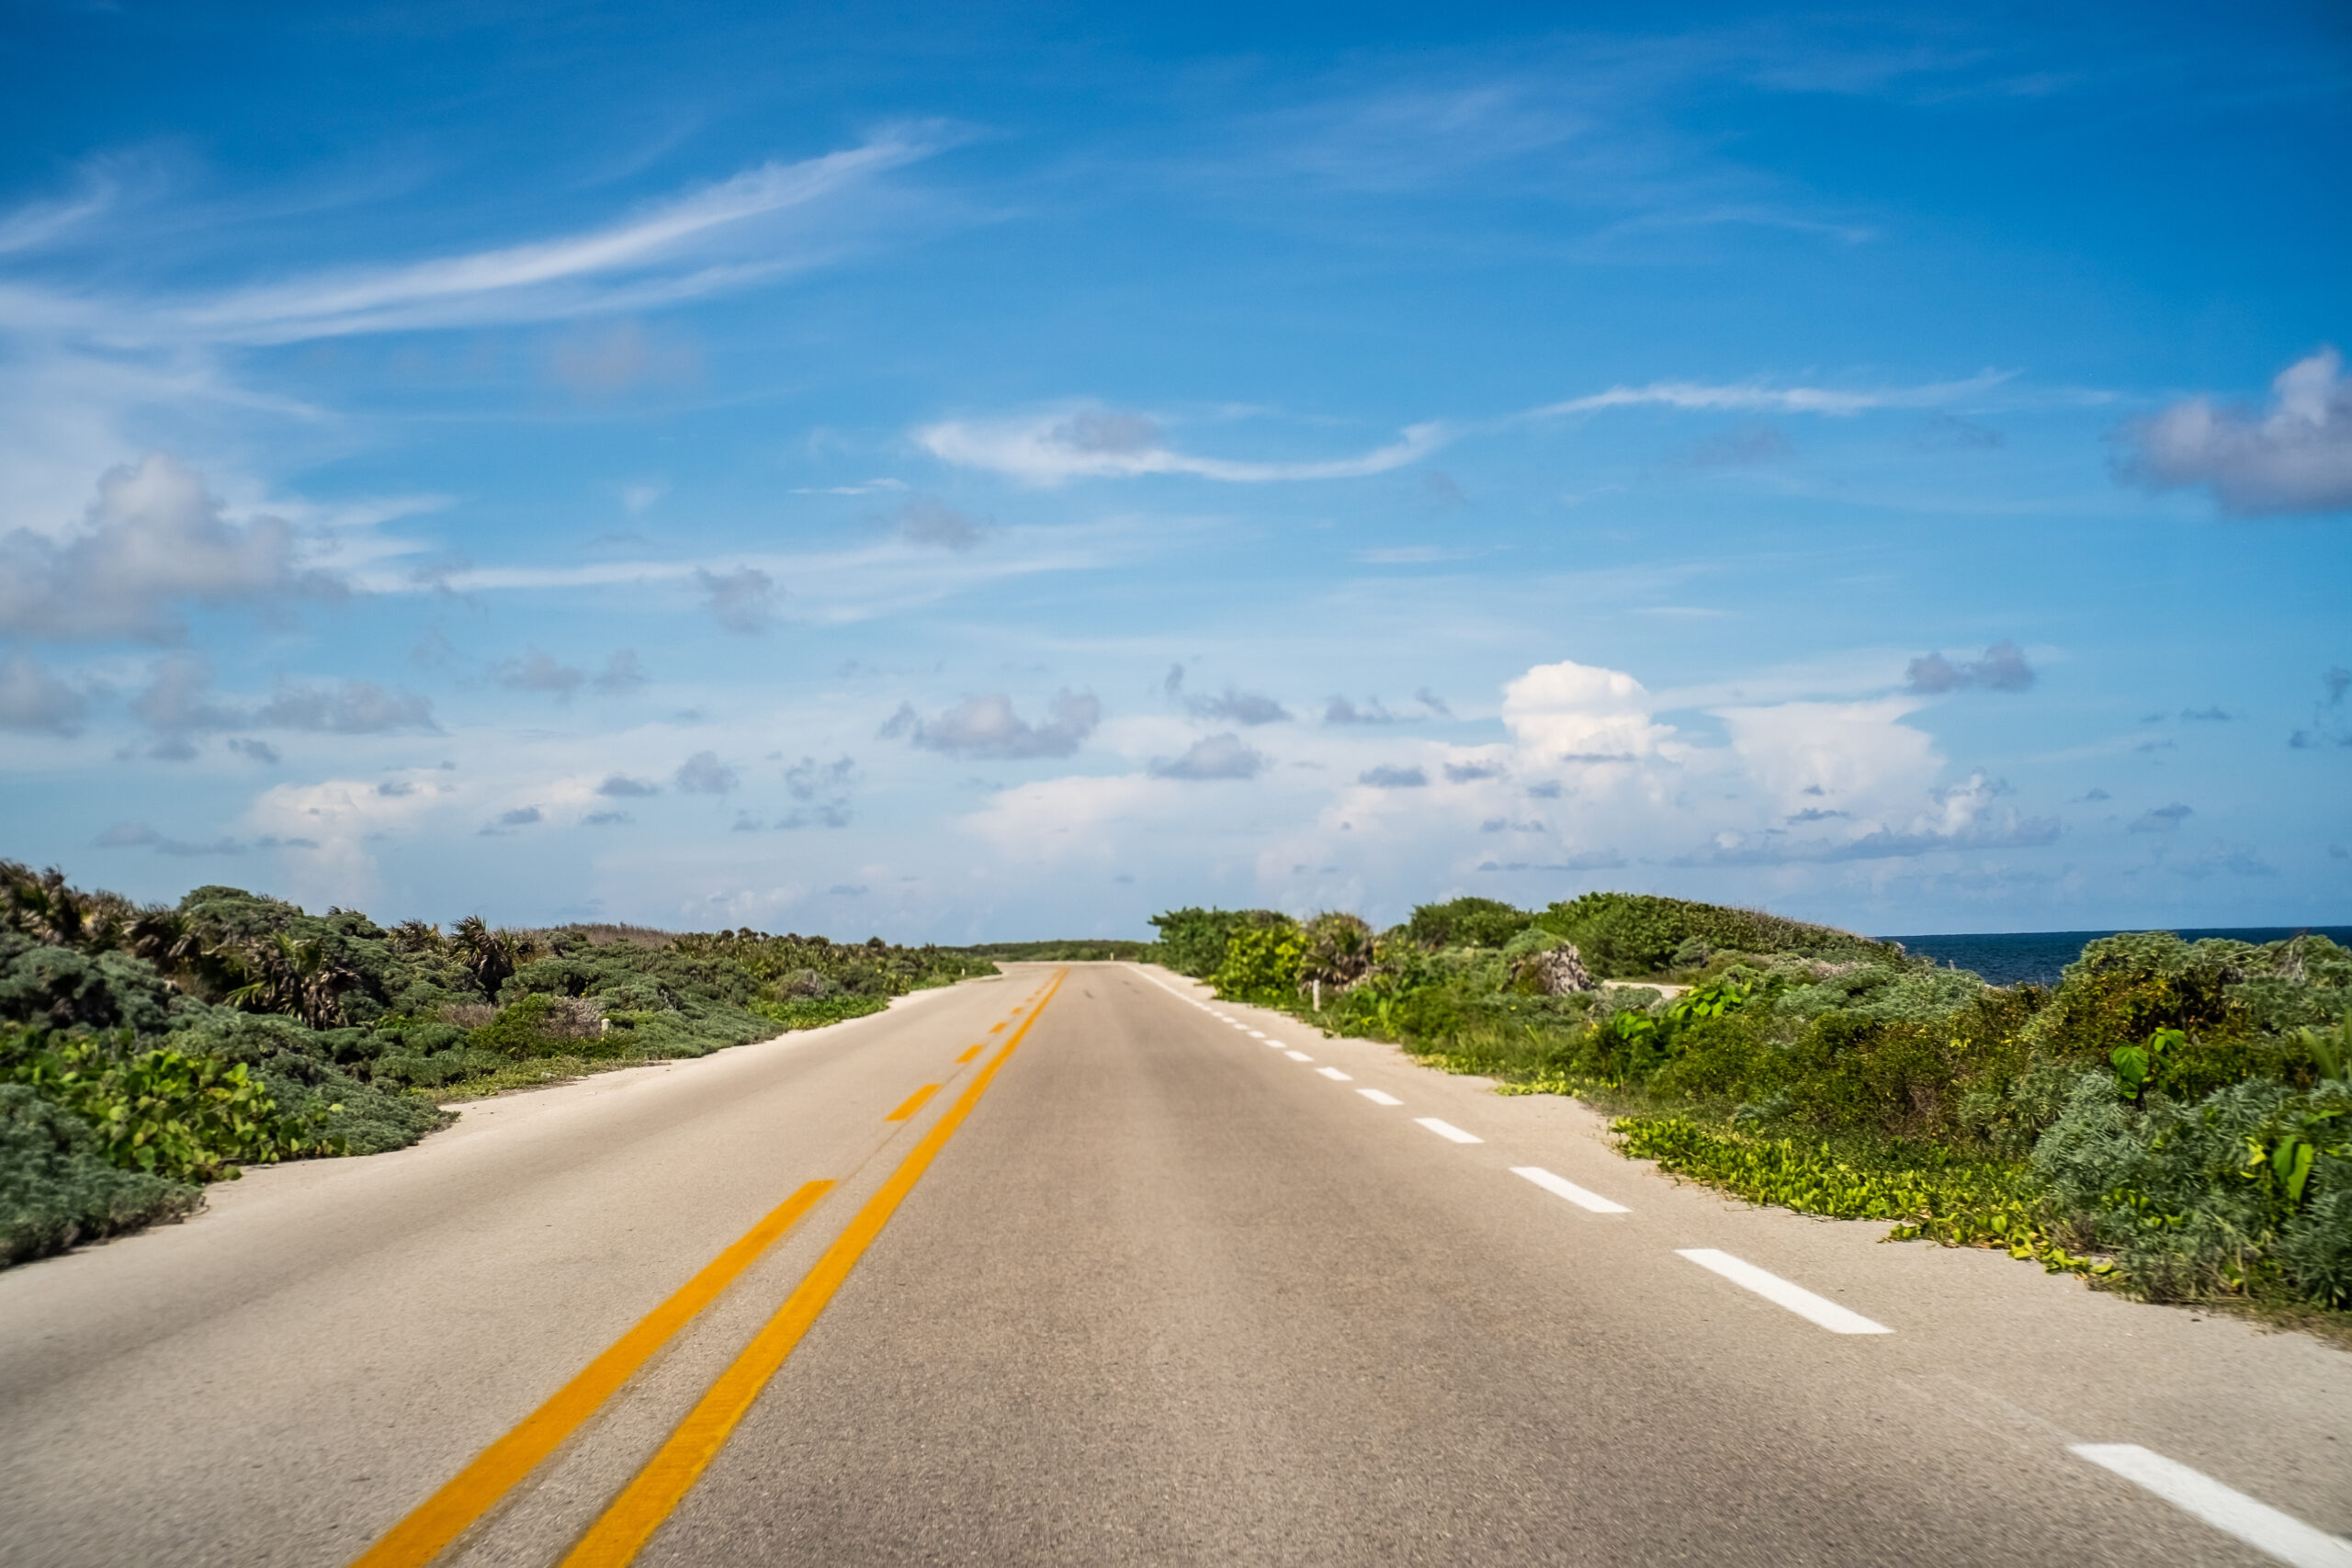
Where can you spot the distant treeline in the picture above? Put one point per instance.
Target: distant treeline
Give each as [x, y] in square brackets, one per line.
[1076, 950]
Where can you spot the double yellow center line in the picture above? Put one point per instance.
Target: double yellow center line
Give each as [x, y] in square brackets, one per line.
[624, 1527]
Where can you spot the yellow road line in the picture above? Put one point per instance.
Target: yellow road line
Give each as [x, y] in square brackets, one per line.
[617, 1537]
[996, 1029]
[968, 1055]
[913, 1104]
[469, 1494]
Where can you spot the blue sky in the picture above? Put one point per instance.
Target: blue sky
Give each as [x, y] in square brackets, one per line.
[1003, 476]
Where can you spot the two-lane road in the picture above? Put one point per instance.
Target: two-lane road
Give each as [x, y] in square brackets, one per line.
[1077, 1266]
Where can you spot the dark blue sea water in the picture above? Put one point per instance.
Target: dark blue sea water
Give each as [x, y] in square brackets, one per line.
[2010, 958]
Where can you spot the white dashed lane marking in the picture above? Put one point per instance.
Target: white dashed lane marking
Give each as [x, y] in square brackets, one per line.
[1298, 1055]
[1778, 1291]
[1447, 1130]
[1561, 1187]
[1377, 1098]
[2259, 1525]
[1335, 1075]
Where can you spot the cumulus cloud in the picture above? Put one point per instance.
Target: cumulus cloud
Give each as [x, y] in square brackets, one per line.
[2293, 457]
[2002, 668]
[620, 786]
[1100, 443]
[621, 671]
[33, 700]
[1343, 710]
[177, 698]
[521, 817]
[539, 671]
[1226, 756]
[1385, 777]
[1960, 818]
[607, 819]
[1582, 714]
[1435, 703]
[927, 520]
[742, 600]
[178, 702]
[822, 791]
[987, 727]
[155, 538]
[355, 708]
[1234, 706]
[260, 751]
[2162, 818]
[703, 774]
[1471, 772]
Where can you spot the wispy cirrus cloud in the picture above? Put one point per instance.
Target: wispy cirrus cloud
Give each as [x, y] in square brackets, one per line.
[1762, 397]
[718, 237]
[1099, 442]
[1091, 441]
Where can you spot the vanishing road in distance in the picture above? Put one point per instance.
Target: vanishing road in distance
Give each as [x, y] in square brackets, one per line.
[1078, 1266]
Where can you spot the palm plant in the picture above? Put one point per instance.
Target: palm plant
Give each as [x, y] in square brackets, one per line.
[298, 977]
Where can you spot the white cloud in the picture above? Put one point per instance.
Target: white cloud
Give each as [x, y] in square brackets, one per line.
[1580, 714]
[1212, 757]
[155, 538]
[355, 708]
[1096, 443]
[1757, 397]
[32, 699]
[2002, 668]
[1093, 442]
[541, 672]
[987, 725]
[663, 253]
[327, 827]
[741, 601]
[702, 774]
[2295, 457]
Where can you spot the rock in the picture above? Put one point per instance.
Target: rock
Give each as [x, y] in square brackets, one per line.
[1558, 972]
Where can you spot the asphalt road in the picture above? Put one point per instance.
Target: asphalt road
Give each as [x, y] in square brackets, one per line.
[1143, 1280]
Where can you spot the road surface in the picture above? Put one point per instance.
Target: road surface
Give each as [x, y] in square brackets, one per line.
[1144, 1279]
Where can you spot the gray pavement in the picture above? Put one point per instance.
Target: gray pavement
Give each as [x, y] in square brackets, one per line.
[1167, 1295]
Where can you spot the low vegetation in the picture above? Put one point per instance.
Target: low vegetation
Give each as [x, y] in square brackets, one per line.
[2173, 1118]
[147, 1051]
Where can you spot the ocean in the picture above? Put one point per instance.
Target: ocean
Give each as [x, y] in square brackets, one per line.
[2010, 958]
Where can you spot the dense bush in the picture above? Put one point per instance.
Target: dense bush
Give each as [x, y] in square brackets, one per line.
[56, 1188]
[167, 1045]
[1465, 922]
[1192, 940]
[1623, 935]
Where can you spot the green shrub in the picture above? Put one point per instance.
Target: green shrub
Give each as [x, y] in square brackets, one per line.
[2240, 1191]
[169, 1114]
[1627, 935]
[1192, 940]
[1465, 922]
[1915, 1182]
[1261, 964]
[57, 1189]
